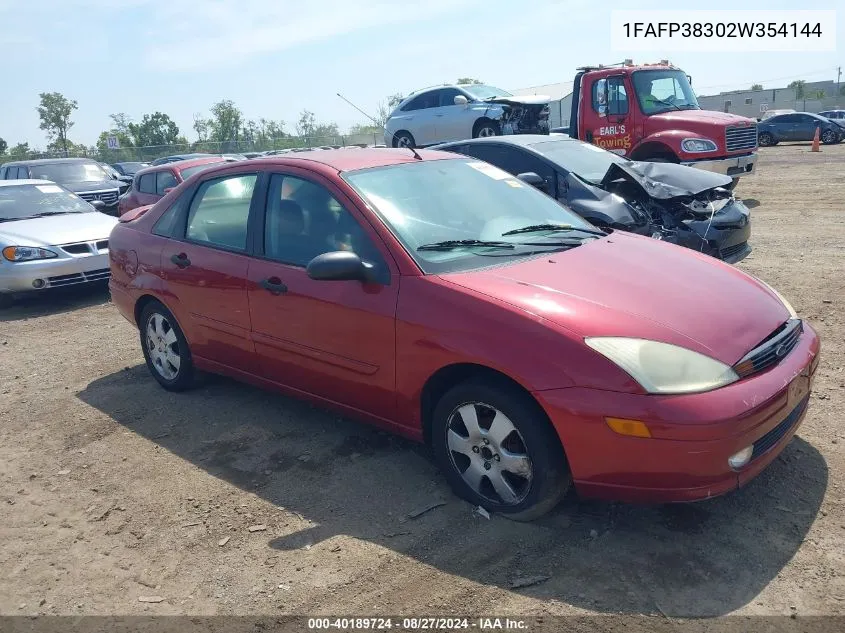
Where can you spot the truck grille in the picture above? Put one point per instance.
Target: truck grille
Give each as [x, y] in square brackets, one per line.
[739, 138]
[108, 197]
[772, 350]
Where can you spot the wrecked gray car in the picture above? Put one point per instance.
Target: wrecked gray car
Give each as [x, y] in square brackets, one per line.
[464, 111]
[678, 204]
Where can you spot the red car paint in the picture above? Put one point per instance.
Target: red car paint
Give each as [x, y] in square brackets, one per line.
[136, 198]
[369, 350]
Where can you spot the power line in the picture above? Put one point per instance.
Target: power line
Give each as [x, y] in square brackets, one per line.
[758, 81]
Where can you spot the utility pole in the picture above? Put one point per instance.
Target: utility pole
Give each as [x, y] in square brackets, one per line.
[838, 89]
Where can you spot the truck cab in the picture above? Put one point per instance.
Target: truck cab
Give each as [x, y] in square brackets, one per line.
[649, 112]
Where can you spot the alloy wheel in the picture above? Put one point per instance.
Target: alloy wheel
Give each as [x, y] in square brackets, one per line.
[163, 346]
[489, 453]
[486, 131]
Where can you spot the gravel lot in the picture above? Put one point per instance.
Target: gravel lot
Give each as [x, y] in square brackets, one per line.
[120, 498]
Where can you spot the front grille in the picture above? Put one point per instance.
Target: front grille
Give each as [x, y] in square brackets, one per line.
[765, 443]
[739, 138]
[77, 249]
[100, 274]
[772, 350]
[108, 197]
[730, 251]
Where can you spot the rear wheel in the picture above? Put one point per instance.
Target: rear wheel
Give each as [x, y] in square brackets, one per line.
[764, 139]
[165, 348]
[498, 450]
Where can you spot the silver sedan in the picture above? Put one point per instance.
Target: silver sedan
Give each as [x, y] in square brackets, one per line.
[49, 237]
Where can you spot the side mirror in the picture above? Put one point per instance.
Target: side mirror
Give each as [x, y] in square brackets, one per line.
[127, 179]
[535, 180]
[461, 100]
[99, 205]
[340, 266]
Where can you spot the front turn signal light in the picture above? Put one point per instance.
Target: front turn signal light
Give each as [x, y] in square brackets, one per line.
[631, 428]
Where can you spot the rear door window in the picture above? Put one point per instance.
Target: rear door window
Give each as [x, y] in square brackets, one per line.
[164, 180]
[147, 183]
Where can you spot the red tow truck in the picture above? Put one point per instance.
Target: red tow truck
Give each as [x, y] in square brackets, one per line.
[649, 112]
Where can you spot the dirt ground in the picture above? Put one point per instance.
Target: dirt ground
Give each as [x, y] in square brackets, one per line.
[231, 500]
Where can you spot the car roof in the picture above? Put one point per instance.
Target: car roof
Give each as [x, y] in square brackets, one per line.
[522, 140]
[26, 181]
[342, 160]
[47, 161]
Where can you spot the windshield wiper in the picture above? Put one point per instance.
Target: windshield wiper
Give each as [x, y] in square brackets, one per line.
[448, 245]
[46, 213]
[537, 228]
[668, 103]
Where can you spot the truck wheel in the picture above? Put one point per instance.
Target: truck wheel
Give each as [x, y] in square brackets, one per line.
[764, 139]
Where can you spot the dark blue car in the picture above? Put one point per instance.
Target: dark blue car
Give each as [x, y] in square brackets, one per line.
[797, 126]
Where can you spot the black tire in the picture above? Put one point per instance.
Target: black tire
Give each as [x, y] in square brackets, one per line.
[184, 375]
[403, 138]
[535, 437]
[764, 139]
[829, 137]
[486, 127]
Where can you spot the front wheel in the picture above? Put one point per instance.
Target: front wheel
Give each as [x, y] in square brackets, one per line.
[764, 139]
[499, 451]
[829, 137]
[484, 128]
[165, 348]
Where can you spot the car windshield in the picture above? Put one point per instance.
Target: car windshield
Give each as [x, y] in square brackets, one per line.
[587, 161]
[18, 202]
[481, 91]
[664, 90]
[190, 171]
[69, 172]
[427, 203]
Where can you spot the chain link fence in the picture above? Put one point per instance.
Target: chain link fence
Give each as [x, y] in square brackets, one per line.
[151, 152]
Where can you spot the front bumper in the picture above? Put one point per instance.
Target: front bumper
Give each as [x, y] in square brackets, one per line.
[734, 166]
[61, 271]
[686, 459]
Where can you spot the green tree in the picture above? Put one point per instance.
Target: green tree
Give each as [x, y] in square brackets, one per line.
[67, 148]
[3, 146]
[201, 127]
[468, 80]
[225, 124]
[55, 110]
[154, 129]
[756, 86]
[799, 86]
[818, 95]
[21, 150]
[307, 123]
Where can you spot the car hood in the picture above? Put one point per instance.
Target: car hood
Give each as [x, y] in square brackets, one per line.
[664, 181]
[520, 100]
[58, 229]
[634, 286]
[96, 185]
[705, 123]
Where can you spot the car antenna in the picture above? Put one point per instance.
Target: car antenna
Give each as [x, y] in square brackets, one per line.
[414, 151]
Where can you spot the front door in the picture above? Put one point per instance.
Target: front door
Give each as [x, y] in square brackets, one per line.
[205, 269]
[611, 128]
[333, 339]
[453, 122]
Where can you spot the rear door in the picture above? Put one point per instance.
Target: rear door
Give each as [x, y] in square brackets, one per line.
[805, 127]
[418, 117]
[205, 265]
[333, 339]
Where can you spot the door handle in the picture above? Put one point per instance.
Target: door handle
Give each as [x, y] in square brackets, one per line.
[181, 260]
[274, 285]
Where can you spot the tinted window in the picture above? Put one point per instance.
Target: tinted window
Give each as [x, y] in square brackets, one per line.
[147, 183]
[220, 210]
[425, 100]
[512, 159]
[447, 96]
[784, 118]
[164, 180]
[584, 159]
[806, 118]
[304, 220]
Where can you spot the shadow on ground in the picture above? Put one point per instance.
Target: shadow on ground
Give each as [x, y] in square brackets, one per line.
[751, 203]
[700, 559]
[53, 301]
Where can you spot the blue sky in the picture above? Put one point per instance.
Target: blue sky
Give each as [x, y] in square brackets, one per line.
[274, 58]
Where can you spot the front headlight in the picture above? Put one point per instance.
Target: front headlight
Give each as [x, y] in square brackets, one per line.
[786, 304]
[664, 368]
[695, 145]
[26, 253]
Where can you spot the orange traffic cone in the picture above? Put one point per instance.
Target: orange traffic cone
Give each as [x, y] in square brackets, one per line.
[816, 140]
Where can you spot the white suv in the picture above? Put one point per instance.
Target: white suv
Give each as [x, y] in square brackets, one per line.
[461, 111]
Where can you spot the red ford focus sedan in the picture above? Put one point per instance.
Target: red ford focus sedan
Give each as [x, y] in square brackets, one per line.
[443, 299]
